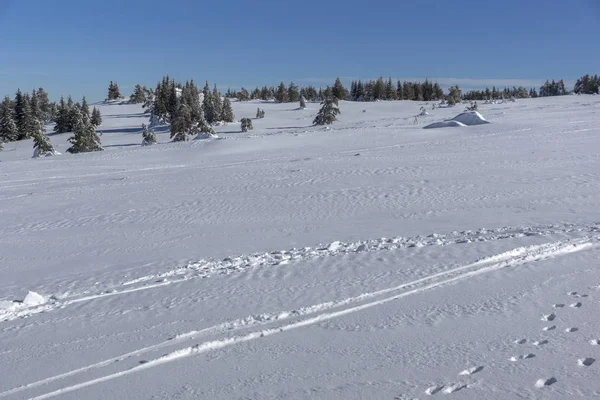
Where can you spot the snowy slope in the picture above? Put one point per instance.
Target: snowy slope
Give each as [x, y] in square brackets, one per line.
[369, 259]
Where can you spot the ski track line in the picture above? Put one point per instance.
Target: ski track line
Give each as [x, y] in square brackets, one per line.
[228, 265]
[512, 258]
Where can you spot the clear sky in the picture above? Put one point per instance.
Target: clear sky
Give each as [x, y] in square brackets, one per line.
[76, 47]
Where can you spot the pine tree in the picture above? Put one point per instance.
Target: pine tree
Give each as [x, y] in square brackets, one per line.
[302, 103]
[327, 113]
[338, 89]
[84, 107]
[208, 105]
[138, 96]
[113, 91]
[44, 105]
[293, 93]
[182, 125]
[41, 142]
[246, 124]
[243, 95]
[217, 103]
[149, 138]
[85, 138]
[227, 111]
[9, 131]
[96, 118]
[20, 113]
[202, 126]
[282, 94]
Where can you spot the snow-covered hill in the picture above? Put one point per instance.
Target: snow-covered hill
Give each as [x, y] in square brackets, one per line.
[368, 259]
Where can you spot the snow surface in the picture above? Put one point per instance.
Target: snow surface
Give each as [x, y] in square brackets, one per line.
[367, 260]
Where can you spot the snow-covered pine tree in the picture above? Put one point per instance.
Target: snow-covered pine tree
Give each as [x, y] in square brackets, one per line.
[202, 127]
[282, 94]
[20, 113]
[327, 113]
[113, 91]
[44, 105]
[149, 137]
[183, 124]
[243, 95]
[302, 103]
[138, 96]
[9, 132]
[85, 109]
[85, 138]
[208, 105]
[338, 89]
[62, 117]
[217, 103]
[41, 142]
[293, 93]
[96, 118]
[227, 111]
[246, 124]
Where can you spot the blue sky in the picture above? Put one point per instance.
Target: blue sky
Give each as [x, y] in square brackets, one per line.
[77, 47]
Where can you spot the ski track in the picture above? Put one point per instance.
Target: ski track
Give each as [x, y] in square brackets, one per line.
[207, 268]
[324, 312]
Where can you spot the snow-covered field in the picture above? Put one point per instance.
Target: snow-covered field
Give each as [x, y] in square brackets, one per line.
[369, 260]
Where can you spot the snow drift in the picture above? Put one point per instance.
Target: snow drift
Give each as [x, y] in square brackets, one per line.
[468, 118]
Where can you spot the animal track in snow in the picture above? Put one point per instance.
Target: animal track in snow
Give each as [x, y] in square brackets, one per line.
[545, 382]
[433, 389]
[595, 342]
[540, 342]
[576, 305]
[549, 317]
[522, 357]
[559, 305]
[471, 371]
[577, 295]
[549, 328]
[573, 329]
[521, 341]
[586, 362]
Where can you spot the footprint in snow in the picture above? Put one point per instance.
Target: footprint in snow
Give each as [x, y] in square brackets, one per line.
[433, 389]
[549, 317]
[595, 342]
[576, 305]
[586, 362]
[558, 305]
[545, 382]
[549, 328]
[522, 357]
[540, 342]
[454, 388]
[571, 329]
[471, 371]
[521, 341]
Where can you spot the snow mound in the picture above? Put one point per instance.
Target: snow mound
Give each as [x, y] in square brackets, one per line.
[37, 153]
[444, 124]
[205, 135]
[33, 299]
[470, 118]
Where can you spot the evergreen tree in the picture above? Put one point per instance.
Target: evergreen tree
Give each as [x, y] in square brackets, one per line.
[62, 117]
[328, 112]
[96, 118]
[243, 95]
[302, 103]
[246, 124]
[390, 91]
[293, 93]
[208, 106]
[217, 103]
[84, 107]
[202, 126]
[34, 104]
[41, 142]
[149, 138]
[113, 91]
[454, 96]
[338, 89]
[85, 138]
[282, 94]
[227, 111]
[44, 105]
[183, 124]
[20, 113]
[9, 131]
[138, 96]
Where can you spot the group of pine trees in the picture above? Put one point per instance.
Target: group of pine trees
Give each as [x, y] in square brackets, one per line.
[587, 85]
[281, 93]
[182, 107]
[381, 89]
[113, 92]
[25, 115]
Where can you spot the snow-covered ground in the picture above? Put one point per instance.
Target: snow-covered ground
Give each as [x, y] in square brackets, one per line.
[372, 259]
